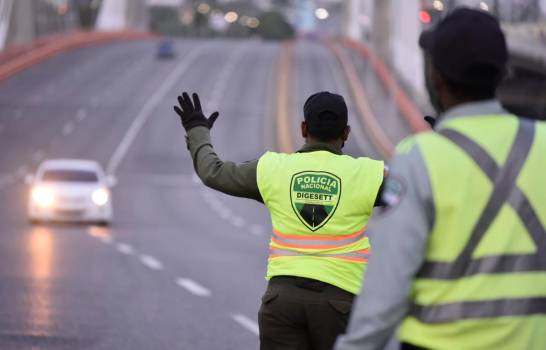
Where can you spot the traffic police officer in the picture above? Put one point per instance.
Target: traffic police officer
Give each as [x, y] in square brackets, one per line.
[460, 254]
[320, 201]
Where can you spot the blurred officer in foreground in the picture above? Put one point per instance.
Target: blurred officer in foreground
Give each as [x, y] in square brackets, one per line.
[460, 253]
[320, 201]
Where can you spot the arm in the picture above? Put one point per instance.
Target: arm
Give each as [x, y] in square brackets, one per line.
[234, 179]
[227, 177]
[379, 202]
[398, 238]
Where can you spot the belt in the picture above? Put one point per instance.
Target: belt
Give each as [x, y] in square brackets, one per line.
[304, 283]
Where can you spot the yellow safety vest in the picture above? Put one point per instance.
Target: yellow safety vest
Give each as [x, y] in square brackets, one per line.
[483, 282]
[320, 204]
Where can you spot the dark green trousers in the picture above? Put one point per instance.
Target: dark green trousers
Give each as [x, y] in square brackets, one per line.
[302, 314]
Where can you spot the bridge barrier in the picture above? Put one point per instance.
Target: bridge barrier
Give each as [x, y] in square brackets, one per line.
[16, 59]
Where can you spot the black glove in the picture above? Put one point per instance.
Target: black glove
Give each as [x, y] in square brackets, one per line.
[191, 114]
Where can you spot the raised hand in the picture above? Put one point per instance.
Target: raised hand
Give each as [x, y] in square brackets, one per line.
[191, 113]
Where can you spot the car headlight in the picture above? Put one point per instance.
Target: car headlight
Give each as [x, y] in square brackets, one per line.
[43, 196]
[100, 196]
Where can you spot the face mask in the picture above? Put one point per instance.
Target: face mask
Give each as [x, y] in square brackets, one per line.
[432, 93]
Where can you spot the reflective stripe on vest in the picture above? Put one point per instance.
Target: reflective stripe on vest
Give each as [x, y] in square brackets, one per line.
[479, 309]
[317, 242]
[505, 191]
[359, 256]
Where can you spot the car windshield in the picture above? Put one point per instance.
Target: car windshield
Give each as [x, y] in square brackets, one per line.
[63, 175]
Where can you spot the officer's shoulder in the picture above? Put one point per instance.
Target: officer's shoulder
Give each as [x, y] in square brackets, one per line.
[272, 156]
[411, 142]
[366, 160]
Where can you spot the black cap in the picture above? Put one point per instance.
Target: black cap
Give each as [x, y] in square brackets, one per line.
[325, 106]
[468, 47]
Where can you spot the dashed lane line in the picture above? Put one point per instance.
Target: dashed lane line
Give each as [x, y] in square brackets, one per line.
[151, 262]
[125, 248]
[257, 230]
[246, 323]
[5, 179]
[81, 114]
[67, 129]
[225, 214]
[22, 171]
[38, 155]
[238, 221]
[106, 239]
[193, 287]
[196, 180]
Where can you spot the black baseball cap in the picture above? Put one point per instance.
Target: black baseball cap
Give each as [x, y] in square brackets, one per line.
[468, 47]
[325, 106]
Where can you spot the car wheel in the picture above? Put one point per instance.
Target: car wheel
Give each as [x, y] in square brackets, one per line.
[104, 223]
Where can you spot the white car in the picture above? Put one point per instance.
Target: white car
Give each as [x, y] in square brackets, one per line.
[70, 190]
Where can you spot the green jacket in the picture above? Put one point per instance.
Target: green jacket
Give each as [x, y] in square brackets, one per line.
[236, 179]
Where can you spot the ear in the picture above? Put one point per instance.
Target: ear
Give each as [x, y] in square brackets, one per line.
[437, 79]
[346, 133]
[304, 130]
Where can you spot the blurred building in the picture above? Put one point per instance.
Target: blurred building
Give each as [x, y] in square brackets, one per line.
[22, 21]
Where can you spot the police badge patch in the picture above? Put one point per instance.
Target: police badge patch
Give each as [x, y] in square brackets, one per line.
[315, 196]
[393, 193]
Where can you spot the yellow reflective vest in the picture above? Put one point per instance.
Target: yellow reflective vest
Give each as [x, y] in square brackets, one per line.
[320, 203]
[483, 282]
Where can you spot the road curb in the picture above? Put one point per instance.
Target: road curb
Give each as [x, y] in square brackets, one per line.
[20, 58]
[377, 135]
[284, 76]
[407, 108]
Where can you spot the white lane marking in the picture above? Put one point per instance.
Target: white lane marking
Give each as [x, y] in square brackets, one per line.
[246, 323]
[167, 180]
[193, 287]
[257, 230]
[125, 248]
[5, 179]
[67, 129]
[22, 171]
[195, 179]
[81, 114]
[238, 221]
[151, 262]
[38, 155]
[219, 89]
[106, 239]
[225, 214]
[147, 110]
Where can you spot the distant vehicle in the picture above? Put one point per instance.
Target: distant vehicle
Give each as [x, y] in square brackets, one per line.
[165, 50]
[70, 190]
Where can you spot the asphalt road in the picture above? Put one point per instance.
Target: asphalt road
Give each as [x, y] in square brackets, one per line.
[182, 267]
